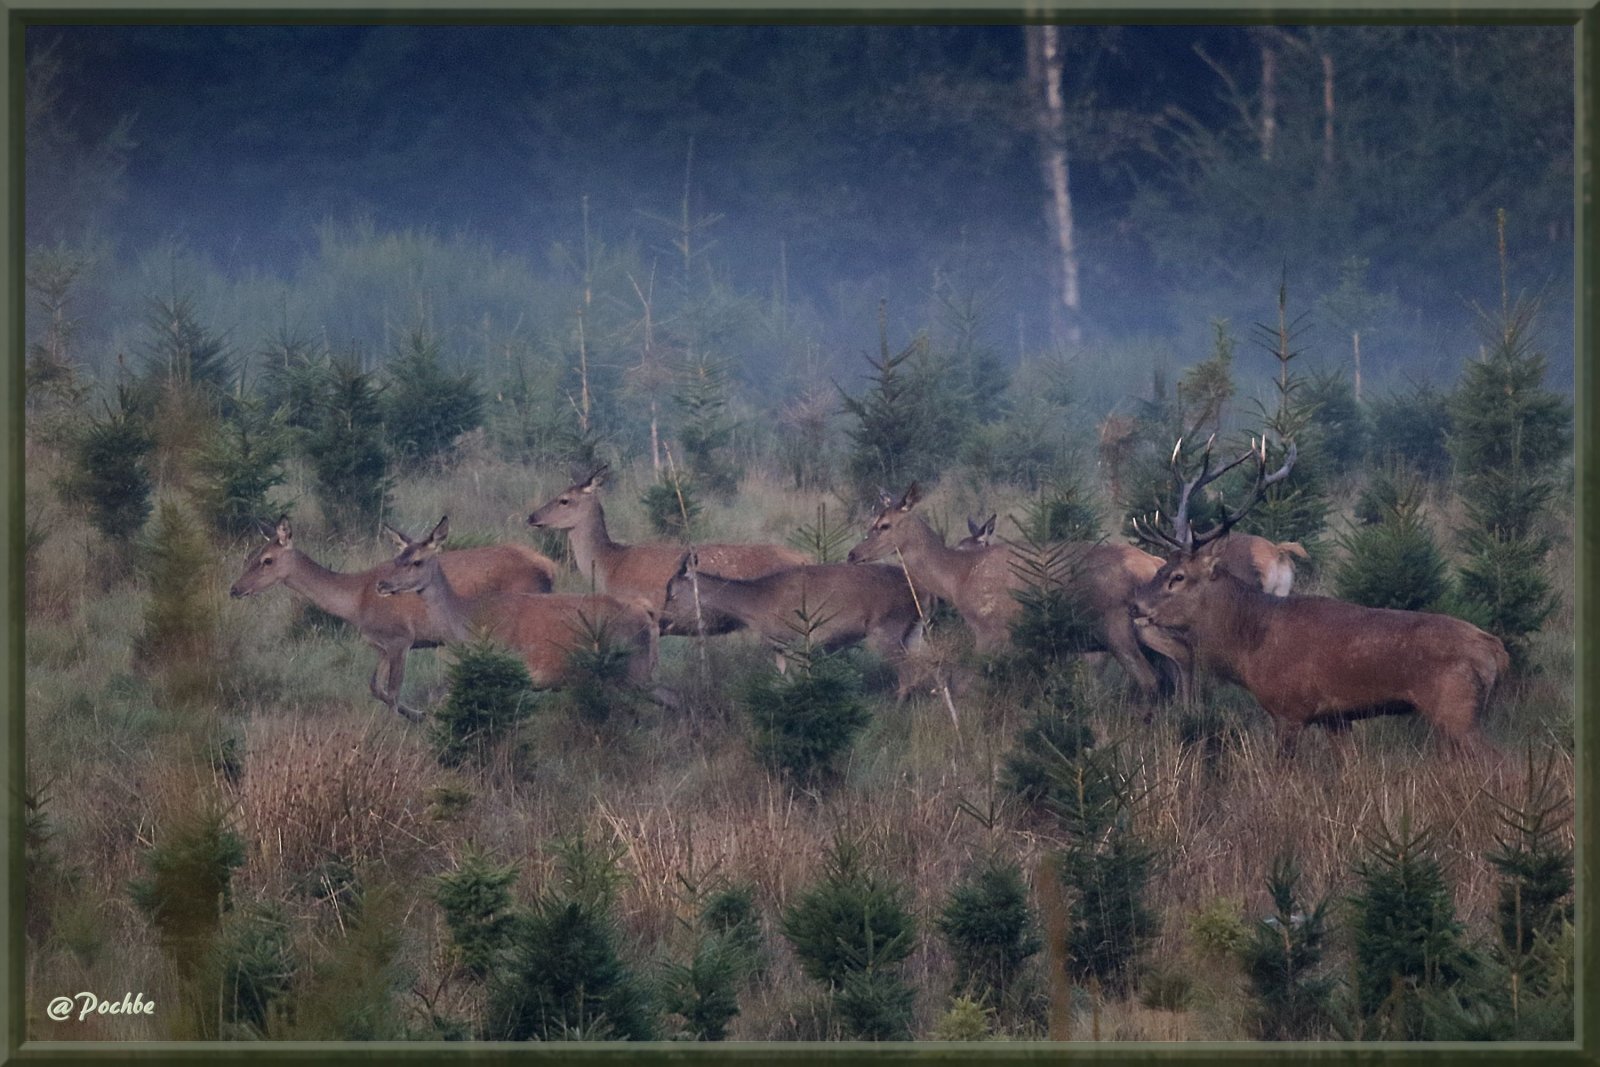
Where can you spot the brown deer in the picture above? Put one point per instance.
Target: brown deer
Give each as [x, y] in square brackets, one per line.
[1313, 659]
[979, 582]
[1269, 564]
[843, 603]
[392, 627]
[979, 534]
[545, 629]
[640, 573]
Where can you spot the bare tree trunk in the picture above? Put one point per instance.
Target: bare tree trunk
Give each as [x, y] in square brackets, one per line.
[1327, 109]
[1355, 344]
[1044, 67]
[1269, 100]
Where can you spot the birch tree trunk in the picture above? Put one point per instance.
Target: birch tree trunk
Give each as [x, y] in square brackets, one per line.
[1044, 72]
[1269, 100]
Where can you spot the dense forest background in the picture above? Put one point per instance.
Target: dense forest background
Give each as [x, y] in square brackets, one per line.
[763, 188]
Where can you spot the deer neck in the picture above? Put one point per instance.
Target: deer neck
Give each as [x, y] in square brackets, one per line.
[340, 595]
[726, 595]
[593, 551]
[930, 563]
[449, 610]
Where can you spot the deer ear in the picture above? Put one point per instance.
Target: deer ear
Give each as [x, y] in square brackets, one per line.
[284, 533]
[440, 532]
[913, 494]
[1209, 566]
[400, 539]
[596, 479]
[973, 529]
[988, 527]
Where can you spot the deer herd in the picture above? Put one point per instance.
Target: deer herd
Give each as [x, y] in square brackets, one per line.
[1215, 602]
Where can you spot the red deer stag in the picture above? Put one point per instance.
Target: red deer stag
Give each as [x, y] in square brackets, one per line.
[640, 573]
[979, 582]
[1310, 659]
[392, 627]
[544, 630]
[844, 603]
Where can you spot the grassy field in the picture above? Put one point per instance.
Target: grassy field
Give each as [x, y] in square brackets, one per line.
[323, 781]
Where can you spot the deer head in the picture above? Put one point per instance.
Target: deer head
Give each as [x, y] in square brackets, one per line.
[883, 538]
[266, 564]
[569, 507]
[416, 566]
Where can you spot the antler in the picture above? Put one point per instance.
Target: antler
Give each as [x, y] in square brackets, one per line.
[1183, 534]
[1264, 481]
[1151, 534]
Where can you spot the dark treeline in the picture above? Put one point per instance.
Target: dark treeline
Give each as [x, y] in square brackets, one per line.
[346, 181]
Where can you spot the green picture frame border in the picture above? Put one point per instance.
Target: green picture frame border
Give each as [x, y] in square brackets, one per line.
[1584, 15]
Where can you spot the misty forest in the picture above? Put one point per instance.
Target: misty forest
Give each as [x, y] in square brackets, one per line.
[800, 533]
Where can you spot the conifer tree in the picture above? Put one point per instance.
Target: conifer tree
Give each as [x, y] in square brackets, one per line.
[425, 407]
[478, 908]
[991, 932]
[109, 477]
[178, 639]
[1407, 938]
[564, 977]
[851, 931]
[240, 465]
[346, 451]
[705, 427]
[490, 693]
[1393, 562]
[1282, 957]
[1295, 508]
[1509, 437]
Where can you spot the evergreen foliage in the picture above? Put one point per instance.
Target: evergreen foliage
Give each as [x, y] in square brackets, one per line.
[352, 991]
[1055, 621]
[109, 477]
[1105, 868]
[851, 930]
[668, 505]
[1510, 437]
[724, 954]
[564, 977]
[807, 718]
[910, 417]
[490, 694]
[179, 633]
[706, 428]
[991, 932]
[597, 672]
[182, 353]
[188, 885]
[1393, 564]
[1535, 900]
[1295, 508]
[826, 542]
[1282, 959]
[425, 407]
[294, 379]
[253, 966]
[346, 452]
[1413, 427]
[1341, 423]
[240, 465]
[1407, 938]
[478, 908]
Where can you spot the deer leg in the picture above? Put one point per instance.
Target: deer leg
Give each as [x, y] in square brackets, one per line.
[1340, 737]
[393, 665]
[1124, 645]
[1288, 737]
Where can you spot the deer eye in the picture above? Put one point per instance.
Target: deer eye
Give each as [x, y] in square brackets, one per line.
[564, 500]
[1176, 578]
[416, 563]
[267, 562]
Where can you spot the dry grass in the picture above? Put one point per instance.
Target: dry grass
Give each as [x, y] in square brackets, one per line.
[353, 791]
[329, 776]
